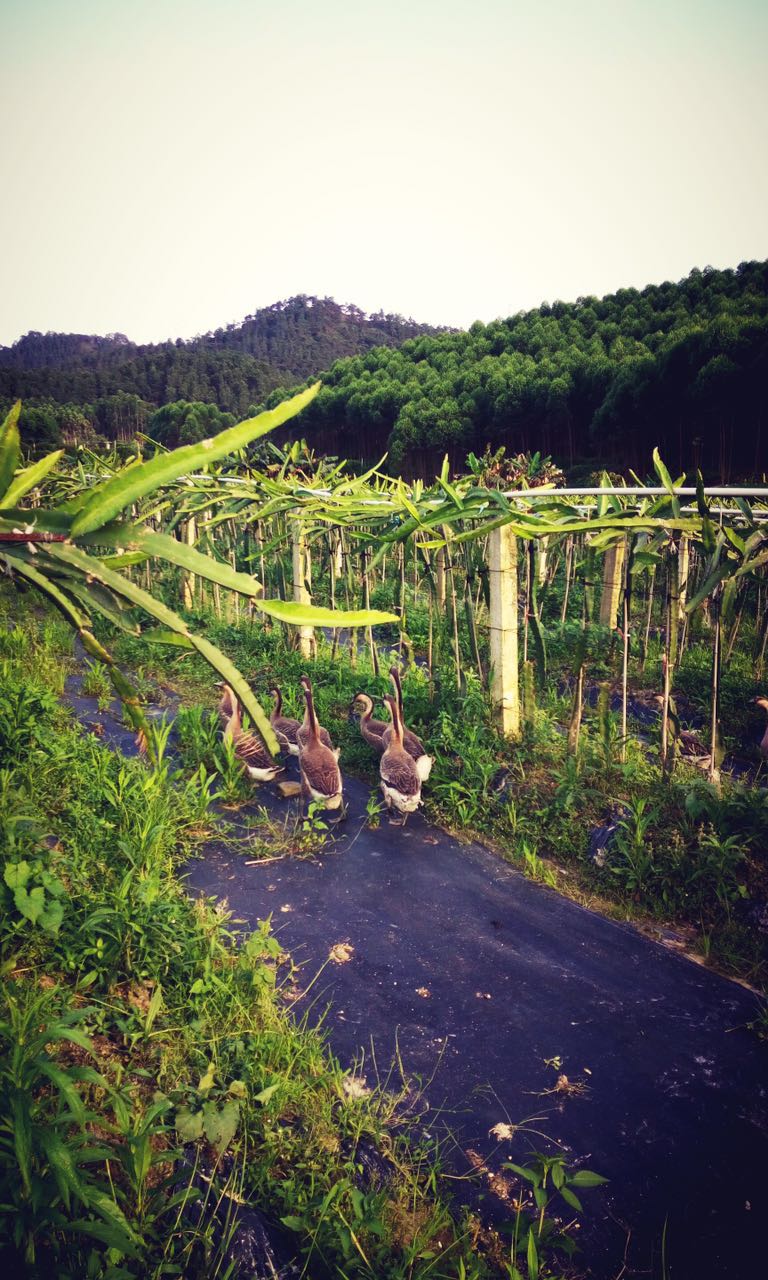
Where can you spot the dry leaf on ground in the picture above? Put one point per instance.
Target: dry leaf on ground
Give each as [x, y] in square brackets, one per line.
[355, 1087]
[504, 1132]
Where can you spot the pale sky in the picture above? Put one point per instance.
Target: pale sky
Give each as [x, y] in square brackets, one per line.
[170, 166]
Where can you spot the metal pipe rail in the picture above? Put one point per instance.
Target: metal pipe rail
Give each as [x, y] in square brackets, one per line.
[639, 491]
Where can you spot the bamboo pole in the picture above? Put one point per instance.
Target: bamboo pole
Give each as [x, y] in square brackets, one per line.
[505, 678]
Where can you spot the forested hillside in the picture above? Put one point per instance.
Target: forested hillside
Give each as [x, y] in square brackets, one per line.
[595, 381]
[75, 383]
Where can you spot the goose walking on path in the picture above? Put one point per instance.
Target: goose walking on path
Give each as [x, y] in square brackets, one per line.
[373, 731]
[400, 780]
[285, 727]
[413, 745]
[318, 761]
[248, 746]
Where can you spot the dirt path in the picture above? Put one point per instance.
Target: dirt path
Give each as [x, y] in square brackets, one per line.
[490, 987]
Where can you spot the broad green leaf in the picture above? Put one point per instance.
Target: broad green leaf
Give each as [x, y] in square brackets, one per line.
[30, 904]
[265, 1094]
[309, 615]
[17, 874]
[167, 618]
[230, 674]
[137, 481]
[62, 1164]
[749, 566]
[155, 1005]
[110, 1211]
[10, 448]
[707, 528]
[571, 1198]
[720, 569]
[532, 1256]
[51, 917]
[30, 477]
[586, 1178]
[666, 480]
[44, 584]
[107, 1234]
[523, 1171]
[189, 1124]
[158, 635]
[96, 598]
[186, 557]
[220, 1123]
[125, 558]
[22, 1139]
[207, 1080]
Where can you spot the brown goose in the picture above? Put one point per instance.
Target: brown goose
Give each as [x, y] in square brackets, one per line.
[318, 763]
[763, 748]
[413, 745]
[286, 729]
[373, 731]
[302, 733]
[689, 744]
[400, 781]
[248, 746]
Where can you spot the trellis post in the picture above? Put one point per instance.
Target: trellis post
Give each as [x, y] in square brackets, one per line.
[502, 579]
[302, 579]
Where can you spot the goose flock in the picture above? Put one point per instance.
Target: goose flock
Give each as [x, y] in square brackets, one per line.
[404, 766]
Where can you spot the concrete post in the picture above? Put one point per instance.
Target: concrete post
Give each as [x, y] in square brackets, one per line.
[613, 573]
[302, 578]
[502, 577]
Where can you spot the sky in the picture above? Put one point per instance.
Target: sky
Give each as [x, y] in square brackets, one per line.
[170, 166]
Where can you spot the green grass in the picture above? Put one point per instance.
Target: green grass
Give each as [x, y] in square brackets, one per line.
[144, 1043]
[699, 861]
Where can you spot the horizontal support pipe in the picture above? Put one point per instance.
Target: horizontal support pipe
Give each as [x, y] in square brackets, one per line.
[637, 491]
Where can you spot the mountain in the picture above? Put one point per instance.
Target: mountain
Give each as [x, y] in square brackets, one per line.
[596, 383]
[234, 368]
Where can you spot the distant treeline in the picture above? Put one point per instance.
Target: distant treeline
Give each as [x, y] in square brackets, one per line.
[75, 383]
[596, 382]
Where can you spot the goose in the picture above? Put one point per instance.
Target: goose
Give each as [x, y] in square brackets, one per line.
[318, 761]
[689, 743]
[400, 780]
[373, 731]
[248, 746]
[413, 745]
[763, 748]
[286, 729]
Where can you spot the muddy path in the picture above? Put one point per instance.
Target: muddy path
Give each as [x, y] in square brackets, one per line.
[490, 989]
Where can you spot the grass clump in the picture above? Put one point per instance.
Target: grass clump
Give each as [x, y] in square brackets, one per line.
[151, 1078]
